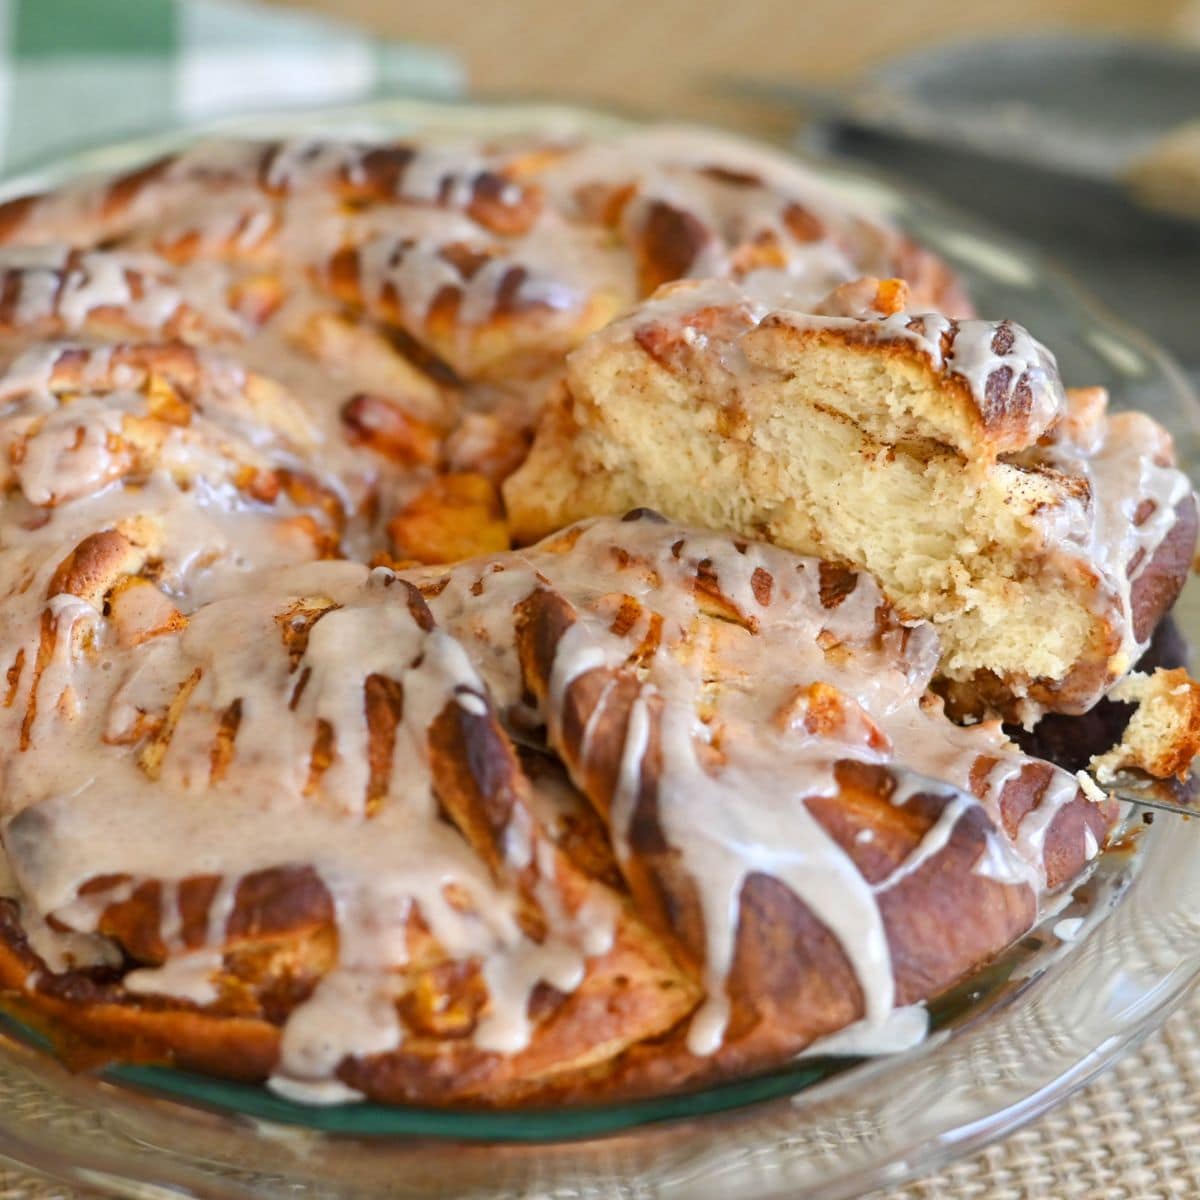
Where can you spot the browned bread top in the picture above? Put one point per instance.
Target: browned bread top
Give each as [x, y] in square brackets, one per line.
[1000, 390]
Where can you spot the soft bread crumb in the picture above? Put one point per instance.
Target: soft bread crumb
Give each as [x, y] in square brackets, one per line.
[828, 449]
[1090, 788]
[1163, 735]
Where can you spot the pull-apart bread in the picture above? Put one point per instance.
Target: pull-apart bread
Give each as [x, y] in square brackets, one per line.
[310, 777]
[1044, 536]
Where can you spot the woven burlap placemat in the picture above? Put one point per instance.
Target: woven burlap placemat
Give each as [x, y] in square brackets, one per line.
[1134, 1134]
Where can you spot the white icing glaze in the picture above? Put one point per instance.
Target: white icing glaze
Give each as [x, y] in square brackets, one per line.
[903, 1029]
[1122, 475]
[321, 1093]
[1059, 791]
[933, 842]
[1067, 930]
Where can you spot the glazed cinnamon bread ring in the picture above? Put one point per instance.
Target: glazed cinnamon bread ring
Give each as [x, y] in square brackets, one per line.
[310, 778]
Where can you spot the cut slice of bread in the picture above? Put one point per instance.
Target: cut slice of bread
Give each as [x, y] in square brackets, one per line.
[1042, 536]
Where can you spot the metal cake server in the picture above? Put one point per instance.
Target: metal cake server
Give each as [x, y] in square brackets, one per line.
[1159, 794]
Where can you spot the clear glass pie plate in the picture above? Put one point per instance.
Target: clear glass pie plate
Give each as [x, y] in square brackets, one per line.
[1036, 1024]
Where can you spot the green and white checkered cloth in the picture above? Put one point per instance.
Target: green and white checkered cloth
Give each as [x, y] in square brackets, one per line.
[78, 73]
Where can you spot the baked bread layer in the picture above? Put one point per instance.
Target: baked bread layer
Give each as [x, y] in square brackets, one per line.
[1043, 536]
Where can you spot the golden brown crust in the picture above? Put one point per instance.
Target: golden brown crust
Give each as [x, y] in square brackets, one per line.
[791, 981]
[633, 992]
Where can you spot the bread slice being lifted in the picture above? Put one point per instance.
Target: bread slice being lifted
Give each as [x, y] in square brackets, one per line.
[1043, 535]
